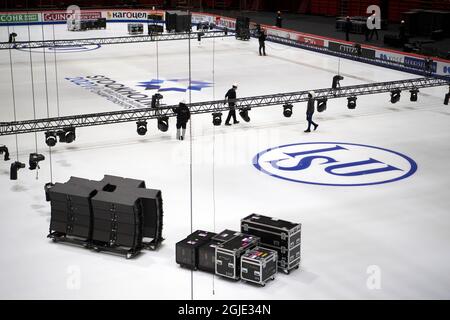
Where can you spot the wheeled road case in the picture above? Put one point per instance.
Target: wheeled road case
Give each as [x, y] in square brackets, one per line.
[228, 255]
[280, 235]
[259, 265]
[187, 250]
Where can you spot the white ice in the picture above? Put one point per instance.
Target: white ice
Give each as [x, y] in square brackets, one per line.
[401, 227]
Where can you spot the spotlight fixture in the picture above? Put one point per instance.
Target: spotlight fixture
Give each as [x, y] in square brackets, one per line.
[336, 82]
[395, 96]
[34, 160]
[199, 36]
[15, 166]
[217, 118]
[414, 93]
[50, 138]
[155, 100]
[351, 102]
[141, 127]
[163, 124]
[322, 104]
[287, 110]
[4, 149]
[244, 114]
[66, 135]
[12, 37]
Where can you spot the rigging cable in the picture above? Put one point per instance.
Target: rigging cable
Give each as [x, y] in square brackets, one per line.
[190, 157]
[32, 89]
[13, 96]
[56, 70]
[46, 101]
[213, 155]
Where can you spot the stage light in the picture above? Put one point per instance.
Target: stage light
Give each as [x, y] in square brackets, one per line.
[50, 138]
[34, 160]
[395, 96]
[337, 82]
[4, 149]
[351, 102]
[155, 100]
[217, 118]
[141, 127]
[287, 110]
[244, 114]
[66, 135]
[414, 93]
[163, 124]
[199, 36]
[322, 104]
[15, 166]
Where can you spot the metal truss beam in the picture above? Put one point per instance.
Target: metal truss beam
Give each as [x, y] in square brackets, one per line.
[112, 40]
[95, 119]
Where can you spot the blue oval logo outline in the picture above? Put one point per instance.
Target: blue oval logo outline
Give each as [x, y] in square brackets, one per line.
[63, 49]
[412, 163]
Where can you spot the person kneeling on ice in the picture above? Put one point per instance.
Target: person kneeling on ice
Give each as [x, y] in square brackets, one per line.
[310, 112]
[183, 115]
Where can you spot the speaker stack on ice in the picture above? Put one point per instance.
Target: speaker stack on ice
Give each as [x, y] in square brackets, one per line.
[243, 28]
[178, 21]
[115, 214]
[264, 246]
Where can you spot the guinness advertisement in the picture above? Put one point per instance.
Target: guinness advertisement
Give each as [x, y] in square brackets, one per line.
[350, 49]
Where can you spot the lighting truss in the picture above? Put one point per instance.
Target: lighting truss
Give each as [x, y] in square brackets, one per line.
[139, 114]
[112, 40]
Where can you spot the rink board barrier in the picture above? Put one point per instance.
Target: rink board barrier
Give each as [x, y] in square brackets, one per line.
[440, 66]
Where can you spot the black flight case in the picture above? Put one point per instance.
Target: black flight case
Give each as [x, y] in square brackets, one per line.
[280, 235]
[259, 265]
[229, 253]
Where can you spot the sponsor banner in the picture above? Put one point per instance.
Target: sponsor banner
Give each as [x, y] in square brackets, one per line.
[390, 56]
[64, 16]
[311, 41]
[19, 17]
[443, 68]
[418, 63]
[126, 15]
[350, 49]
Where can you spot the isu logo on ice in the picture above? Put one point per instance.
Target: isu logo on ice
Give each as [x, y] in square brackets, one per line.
[335, 164]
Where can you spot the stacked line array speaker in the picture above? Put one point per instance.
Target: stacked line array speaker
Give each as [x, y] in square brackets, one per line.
[243, 28]
[115, 214]
[178, 21]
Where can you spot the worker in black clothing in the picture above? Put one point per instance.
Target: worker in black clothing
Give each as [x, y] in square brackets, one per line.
[279, 20]
[231, 97]
[348, 28]
[183, 115]
[310, 112]
[262, 42]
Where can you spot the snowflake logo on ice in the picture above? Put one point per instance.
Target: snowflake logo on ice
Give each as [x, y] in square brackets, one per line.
[177, 85]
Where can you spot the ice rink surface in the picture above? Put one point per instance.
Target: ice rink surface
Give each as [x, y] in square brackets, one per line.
[384, 241]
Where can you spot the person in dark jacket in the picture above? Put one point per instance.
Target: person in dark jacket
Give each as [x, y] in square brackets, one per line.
[279, 20]
[262, 42]
[231, 97]
[348, 28]
[310, 112]
[183, 115]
